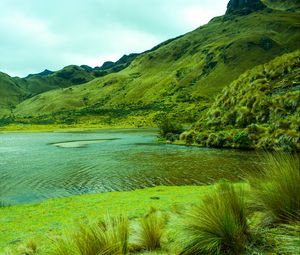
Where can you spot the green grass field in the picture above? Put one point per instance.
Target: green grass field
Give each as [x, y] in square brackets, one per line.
[41, 221]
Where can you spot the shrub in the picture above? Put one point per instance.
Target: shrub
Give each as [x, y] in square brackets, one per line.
[151, 230]
[216, 140]
[242, 139]
[276, 188]
[219, 224]
[211, 140]
[201, 138]
[266, 143]
[169, 127]
[286, 143]
[172, 137]
[190, 137]
[253, 128]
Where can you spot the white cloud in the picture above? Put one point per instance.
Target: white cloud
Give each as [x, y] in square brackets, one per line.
[36, 34]
[29, 27]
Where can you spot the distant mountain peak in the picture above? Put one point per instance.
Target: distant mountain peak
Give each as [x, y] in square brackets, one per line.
[46, 72]
[244, 7]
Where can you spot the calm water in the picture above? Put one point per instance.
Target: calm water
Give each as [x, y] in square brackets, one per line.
[37, 166]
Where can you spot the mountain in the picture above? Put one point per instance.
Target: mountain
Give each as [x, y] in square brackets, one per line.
[14, 90]
[261, 109]
[244, 7]
[180, 77]
[11, 93]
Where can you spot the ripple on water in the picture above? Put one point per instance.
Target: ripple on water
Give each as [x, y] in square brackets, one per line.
[37, 166]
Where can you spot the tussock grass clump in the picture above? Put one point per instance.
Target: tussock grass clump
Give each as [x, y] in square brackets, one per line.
[276, 188]
[151, 230]
[219, 224]
[286, 238]
[107, 237]
[30, 248]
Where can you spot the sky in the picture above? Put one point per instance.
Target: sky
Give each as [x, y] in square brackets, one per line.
[49, 34]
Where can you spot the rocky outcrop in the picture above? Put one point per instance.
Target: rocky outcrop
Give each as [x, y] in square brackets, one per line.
[244, 7]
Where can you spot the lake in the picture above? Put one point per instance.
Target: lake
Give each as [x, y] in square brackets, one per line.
[38, 166]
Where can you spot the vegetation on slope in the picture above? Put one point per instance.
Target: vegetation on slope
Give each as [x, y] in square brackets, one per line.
[180, 77]
[14, 90]
[261, 109]
[290, 5]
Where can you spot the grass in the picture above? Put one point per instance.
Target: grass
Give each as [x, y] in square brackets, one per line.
[151, 228]
[52, 217]
[219, 224]
[286, 238]
[276, 188]
[106, 237]
[62, 127]
[29, 248]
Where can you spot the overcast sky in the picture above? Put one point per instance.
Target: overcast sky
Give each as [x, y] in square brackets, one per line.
[50, 34]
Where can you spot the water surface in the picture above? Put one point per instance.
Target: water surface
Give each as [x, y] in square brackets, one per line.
[38, 166]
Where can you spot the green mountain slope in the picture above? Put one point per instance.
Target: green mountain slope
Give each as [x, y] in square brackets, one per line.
[261, 109]
[14, 90]
[11, 93]
[180, 77]
[290, 5]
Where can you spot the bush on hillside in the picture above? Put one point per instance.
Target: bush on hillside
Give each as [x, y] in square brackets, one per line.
[255, 106]
[169, 128]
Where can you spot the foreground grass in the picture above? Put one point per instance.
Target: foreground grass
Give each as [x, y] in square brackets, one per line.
[276, 188]
[219, 224]
[106, 237]
[38, 222]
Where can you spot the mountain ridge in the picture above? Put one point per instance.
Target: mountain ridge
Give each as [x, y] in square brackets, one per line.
[183, 69]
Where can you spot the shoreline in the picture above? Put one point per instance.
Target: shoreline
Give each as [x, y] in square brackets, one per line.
[62, 128]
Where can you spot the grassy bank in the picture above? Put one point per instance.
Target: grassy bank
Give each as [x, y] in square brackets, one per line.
[38, 222]
[59, 127]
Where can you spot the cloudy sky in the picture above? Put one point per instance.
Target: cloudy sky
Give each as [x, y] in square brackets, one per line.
[40, 34]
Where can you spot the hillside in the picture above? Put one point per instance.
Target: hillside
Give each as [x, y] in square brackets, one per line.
[180, 77]
[261, 109]
[11, 93]
[287, 5]
[14, 90]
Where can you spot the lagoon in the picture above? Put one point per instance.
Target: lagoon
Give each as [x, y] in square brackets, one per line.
[38, 166]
